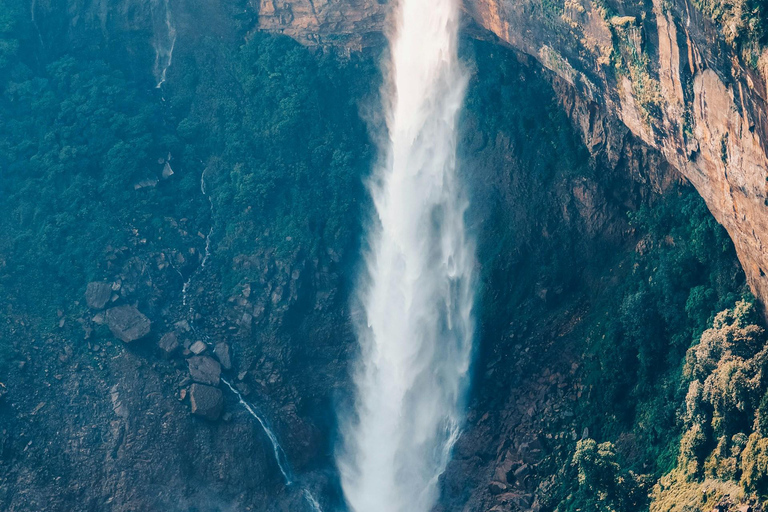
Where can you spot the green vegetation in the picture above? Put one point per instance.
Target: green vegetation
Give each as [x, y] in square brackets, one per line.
[634, 379]
[723, 447]
[631, 61]
[82, 150]
[292, 151]
[635, 374]
[682, 274]
[75, 139]
[743, 25]
[277, 131]
[602, 484]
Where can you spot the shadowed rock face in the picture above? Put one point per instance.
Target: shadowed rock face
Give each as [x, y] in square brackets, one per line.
[662, 69]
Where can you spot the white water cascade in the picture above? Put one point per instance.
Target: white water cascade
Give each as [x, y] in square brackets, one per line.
[416, 344]
[164, 40]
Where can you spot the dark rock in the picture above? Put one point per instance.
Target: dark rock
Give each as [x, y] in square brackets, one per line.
[97, 294]
[206, 401]
[497, 487]
[169, 343]
[204, 369]
[222, 353]
[127, 323]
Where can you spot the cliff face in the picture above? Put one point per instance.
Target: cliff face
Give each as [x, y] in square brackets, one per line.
[661, 68]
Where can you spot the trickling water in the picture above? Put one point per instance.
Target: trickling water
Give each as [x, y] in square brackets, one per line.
[164, 41]
[418, 298]
[207, 255]
[282, 462]
[280, 457]
[33, 17]
[311, 500]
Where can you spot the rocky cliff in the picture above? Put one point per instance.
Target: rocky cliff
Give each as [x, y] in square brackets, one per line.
[665, 70]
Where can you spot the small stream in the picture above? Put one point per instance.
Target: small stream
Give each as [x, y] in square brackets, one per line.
[279, 453]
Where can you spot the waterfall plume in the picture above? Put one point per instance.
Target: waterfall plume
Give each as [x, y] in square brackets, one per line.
[164, 40]
[415, 345]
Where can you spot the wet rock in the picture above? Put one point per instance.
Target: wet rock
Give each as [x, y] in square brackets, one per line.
[204, 369]
[127, 323]
[169, 343]
[198, 347]
[97, 294]
[222, 353]
[206, 401]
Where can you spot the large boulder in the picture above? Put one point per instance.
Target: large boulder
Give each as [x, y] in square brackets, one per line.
[127, 323]
[206, 401]
[222, 353]
[169, 343]
[204, 369]
[97, 294]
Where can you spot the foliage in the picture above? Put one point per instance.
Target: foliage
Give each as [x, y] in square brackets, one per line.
[291, 149]
[602, 484]
[683, 271]
[76, 139]
[632, 61]
[9, 29]
[743, 24]
[722, 450]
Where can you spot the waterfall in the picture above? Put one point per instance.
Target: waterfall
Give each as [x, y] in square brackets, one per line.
[417, 294]
[164, 41]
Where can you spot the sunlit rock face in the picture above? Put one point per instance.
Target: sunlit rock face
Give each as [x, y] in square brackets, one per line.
[665, 72]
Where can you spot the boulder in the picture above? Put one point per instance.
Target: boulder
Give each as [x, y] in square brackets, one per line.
[97, 294]
[222, 353]
[169, 343]
[204, 369]
[198, 347]
[127, 323]
[206, 401]
[497, 487]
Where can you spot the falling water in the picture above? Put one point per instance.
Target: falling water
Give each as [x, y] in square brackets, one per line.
[207, 254]
[416, 344]
[280, 457]
[164, 42]
[282, 462]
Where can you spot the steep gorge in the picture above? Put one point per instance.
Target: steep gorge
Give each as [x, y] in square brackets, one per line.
[556, 248]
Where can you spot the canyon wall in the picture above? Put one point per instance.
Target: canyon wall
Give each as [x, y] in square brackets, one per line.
[662, 68]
